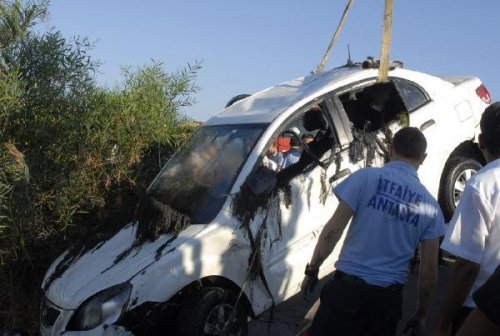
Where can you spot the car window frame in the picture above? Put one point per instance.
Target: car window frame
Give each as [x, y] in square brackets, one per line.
[261, 127]
[397, 80]
[340, 120]
[296, 114]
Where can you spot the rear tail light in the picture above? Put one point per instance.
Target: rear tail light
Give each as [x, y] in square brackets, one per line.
[483, 93]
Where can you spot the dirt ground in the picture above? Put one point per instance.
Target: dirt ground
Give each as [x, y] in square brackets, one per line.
[290, 316]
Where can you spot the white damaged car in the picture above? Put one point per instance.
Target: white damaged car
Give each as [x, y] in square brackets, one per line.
[219, 237]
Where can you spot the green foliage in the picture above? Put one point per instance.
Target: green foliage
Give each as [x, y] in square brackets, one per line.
[70, 150]
[146, 111]
[14, 190]
[102, 135]
[57, 78]
[16, 19]
[11, 92]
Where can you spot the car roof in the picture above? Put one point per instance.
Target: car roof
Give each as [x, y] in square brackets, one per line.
[266, 105]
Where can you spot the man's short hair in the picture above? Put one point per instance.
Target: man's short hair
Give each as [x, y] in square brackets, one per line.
[410, 142]
[490, 128]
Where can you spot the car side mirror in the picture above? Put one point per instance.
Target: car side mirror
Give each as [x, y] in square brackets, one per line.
[262, 181]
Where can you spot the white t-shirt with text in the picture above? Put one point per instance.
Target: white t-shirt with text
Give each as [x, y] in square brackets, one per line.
[474, 232]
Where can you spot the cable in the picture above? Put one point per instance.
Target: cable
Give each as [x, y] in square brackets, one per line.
[321, 65]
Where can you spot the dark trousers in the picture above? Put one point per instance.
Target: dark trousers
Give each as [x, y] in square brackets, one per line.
[459, 319]
[356, 308]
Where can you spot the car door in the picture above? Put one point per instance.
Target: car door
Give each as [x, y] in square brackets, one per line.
[296, 217]
[432, 119]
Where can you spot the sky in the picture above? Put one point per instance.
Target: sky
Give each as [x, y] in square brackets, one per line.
[247, 46]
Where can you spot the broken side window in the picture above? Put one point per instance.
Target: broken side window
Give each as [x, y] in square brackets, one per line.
[411, 94]
[373, 111]
[314, 136]
[311, 138]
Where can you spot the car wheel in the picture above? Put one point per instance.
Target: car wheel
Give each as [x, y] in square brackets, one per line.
[208, 312]
[236, 98]
[456, 174]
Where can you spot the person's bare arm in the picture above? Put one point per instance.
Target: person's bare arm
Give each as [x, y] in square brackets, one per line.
[331, 234]
[462, 277]
[477, 323]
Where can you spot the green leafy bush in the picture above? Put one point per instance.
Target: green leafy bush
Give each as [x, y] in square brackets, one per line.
[69, 149]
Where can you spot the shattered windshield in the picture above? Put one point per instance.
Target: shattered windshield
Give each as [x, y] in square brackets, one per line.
[197, 180]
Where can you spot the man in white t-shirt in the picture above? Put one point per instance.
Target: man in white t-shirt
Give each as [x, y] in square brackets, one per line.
[474, 232]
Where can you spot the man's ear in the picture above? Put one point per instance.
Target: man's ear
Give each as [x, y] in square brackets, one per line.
[391, 150]
[480, 140]
[423, 158]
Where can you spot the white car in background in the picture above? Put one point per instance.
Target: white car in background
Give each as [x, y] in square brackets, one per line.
[215, 232]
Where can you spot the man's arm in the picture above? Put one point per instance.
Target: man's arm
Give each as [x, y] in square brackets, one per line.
[477, 323]
[318, 148]
[462, 277]
[290, 171]
[484, 319]
[331, 234]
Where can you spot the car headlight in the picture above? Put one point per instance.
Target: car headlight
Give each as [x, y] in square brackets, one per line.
[105, 307]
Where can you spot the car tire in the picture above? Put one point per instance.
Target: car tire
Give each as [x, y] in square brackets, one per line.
[236, 98]
[208, 309]
[455, 175]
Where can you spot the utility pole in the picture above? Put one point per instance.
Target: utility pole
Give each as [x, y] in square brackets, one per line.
[386, 43]
[321, 65]
[383, 72]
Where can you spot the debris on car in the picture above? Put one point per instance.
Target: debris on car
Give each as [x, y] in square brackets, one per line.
[218, 236]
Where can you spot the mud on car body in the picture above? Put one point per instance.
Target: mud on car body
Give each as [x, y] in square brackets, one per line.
[215, 239]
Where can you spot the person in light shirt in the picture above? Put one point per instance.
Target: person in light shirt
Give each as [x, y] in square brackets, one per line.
[293, 155]
[474, 232]
[392, 213]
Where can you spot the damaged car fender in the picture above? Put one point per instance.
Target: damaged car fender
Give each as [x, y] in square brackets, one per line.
[216, 251]
[115, 261]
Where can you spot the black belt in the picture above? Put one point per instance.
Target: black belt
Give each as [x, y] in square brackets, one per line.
[352, 279]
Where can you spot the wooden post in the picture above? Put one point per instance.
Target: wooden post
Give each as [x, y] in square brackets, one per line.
[383, 70]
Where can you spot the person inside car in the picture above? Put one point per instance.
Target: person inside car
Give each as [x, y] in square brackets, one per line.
[273, 158]
[293, 155]
[313, 120]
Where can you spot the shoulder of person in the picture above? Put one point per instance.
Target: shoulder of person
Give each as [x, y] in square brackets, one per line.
[366, 173]
[485, 178]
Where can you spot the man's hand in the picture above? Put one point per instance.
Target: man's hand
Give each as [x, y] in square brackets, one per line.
[308, 285]
[310, 280]
[415, 325]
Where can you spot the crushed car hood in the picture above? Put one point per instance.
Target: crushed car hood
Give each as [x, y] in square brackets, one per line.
[109, 263]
